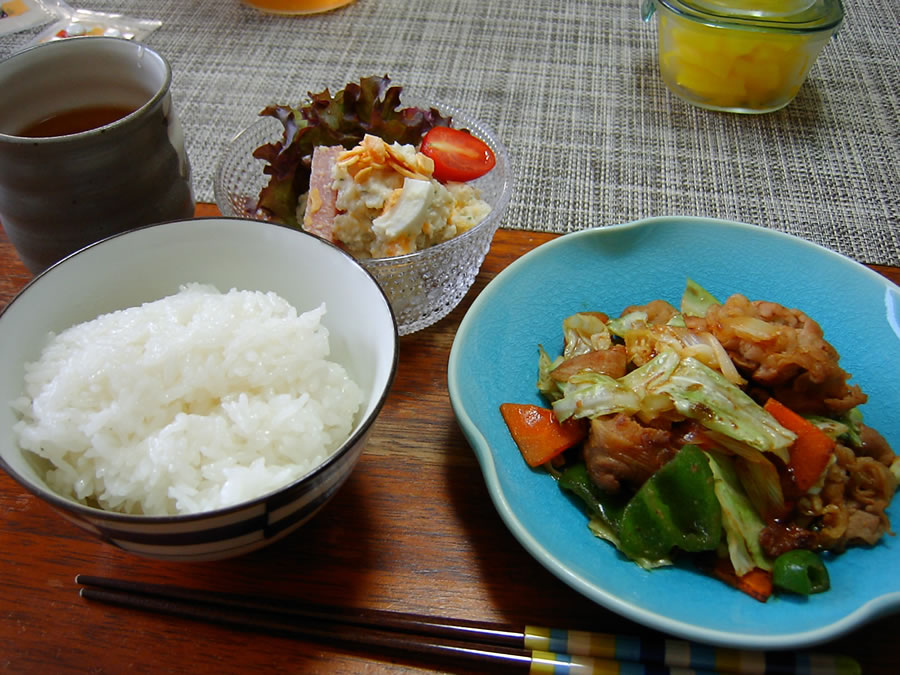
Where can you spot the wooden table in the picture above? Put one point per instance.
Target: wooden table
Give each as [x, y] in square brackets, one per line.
[413, 529]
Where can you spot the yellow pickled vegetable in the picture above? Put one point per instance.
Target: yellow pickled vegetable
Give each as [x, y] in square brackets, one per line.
[732, 68]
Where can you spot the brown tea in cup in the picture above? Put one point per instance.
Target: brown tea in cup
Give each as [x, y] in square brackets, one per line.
[90, 146]
[75, 121]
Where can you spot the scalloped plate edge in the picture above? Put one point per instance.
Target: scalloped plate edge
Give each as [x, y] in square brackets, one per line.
[868, 611]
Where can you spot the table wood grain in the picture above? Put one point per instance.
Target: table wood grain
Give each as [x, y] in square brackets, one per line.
[413, 529]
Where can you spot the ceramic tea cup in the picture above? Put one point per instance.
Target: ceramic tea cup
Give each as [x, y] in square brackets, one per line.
[90, 146]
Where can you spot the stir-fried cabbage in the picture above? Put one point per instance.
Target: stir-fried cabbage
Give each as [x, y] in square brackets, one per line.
[740, 520]
[669, 381]
[678, 384]
[704, 395]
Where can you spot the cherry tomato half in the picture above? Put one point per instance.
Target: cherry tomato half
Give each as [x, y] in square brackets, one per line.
[457, 155]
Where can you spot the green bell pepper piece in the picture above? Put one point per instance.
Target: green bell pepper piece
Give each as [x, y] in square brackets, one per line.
[607, 508]
[675, 508]
[800, 571]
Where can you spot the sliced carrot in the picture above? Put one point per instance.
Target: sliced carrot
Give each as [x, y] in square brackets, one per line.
[538, 434]
[811, 451]
[757, 583]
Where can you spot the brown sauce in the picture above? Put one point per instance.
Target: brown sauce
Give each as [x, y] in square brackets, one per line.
[76, 121]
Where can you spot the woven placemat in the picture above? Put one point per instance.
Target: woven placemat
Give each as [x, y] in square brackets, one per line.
[573, 90]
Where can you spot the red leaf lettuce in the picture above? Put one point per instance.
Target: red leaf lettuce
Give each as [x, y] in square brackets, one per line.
[370, 107]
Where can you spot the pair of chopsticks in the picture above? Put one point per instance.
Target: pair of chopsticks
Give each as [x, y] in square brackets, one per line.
[536, 649]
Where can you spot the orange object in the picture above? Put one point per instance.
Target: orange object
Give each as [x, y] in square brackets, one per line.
[811, 451]
[757, 583]
[538, 434]
[296, 6]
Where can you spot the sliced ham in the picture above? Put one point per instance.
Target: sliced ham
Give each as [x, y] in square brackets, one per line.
[321, 205]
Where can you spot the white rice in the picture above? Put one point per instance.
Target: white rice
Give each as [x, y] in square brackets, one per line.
[197, 401]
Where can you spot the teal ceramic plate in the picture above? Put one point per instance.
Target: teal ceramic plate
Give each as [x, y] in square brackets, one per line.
[494, 360]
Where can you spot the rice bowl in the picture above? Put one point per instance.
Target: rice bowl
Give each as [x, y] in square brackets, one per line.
[145, 265]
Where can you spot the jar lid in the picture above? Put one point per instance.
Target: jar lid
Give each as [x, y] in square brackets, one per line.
[787, 15]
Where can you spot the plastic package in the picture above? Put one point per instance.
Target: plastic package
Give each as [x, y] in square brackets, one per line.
[85, 22]
[19, 15]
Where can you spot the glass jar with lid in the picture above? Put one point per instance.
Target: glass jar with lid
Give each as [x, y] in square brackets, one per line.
[749, 56]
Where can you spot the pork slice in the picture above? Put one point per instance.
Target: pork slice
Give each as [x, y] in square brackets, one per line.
[610, 362]
[875, 445]
[321, 206]
[659, 312]
[619, 449]
[865, 527]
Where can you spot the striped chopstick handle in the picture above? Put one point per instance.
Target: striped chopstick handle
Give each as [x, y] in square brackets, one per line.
[548, 663]
[680, 654]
